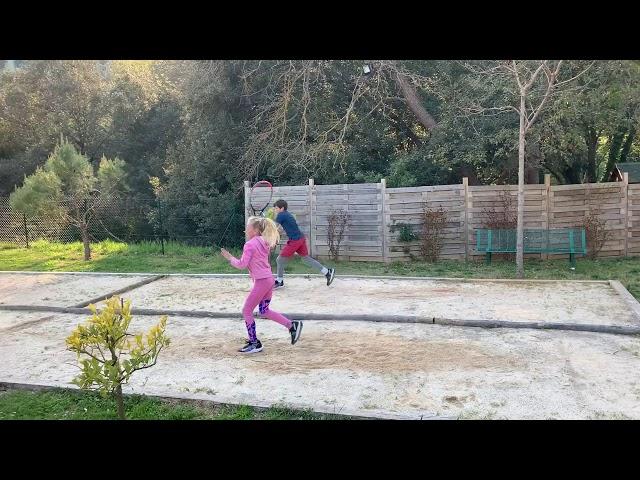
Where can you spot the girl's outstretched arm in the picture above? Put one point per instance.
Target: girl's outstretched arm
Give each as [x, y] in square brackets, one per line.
[243, 263]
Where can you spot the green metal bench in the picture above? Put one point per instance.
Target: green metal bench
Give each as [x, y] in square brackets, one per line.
[555, 240]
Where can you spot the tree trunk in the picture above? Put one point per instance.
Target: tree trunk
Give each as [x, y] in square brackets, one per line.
[84, 231]
[626, 148]
[520, 229]
[614, 152]
[120, 402]
[533, 163]
[415, 104]
[532, 175]
[592, 146]
[466, 170]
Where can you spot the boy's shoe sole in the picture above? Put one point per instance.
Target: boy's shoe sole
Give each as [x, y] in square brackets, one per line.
[296, 336]
[330, 276]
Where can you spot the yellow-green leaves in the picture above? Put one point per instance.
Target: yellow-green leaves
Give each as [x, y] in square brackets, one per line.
[107, 353]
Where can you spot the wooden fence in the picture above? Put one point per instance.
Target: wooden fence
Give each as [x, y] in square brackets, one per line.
[375, 212]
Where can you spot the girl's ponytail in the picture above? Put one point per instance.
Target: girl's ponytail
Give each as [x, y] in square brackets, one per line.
[267, 228]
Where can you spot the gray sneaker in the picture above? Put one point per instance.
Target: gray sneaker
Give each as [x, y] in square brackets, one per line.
[251, 347]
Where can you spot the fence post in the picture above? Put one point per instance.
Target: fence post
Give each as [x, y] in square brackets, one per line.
[625, 189]
[547, 187]
[385, 225]
[161, 228]
[26, 230]
[465, 184]
[247, 194]
[312, 224]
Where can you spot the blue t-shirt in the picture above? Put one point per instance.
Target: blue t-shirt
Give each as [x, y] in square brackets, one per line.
[289, 225]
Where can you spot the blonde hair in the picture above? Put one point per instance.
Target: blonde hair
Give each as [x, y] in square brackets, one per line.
[266, 228]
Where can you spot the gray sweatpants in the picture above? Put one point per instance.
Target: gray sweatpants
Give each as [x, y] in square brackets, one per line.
[282, 262]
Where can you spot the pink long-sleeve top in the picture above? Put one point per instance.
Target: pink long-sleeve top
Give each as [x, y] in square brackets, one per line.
[255, 257]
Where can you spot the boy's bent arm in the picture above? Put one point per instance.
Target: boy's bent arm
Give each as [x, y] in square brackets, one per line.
[277, 221]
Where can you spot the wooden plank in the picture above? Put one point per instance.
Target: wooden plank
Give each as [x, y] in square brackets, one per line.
[416, 253]
[418, 208]
[353, 222]
[568, 190]
[323, 219]
[570, 208]
[364, 199]
[297, 192]
[366, 240]
[457, 230]
[359, 243]
[435, 203]
[425, 194]
[610, 186]
[346, 251]
[361, 230]
[327, 208]
[492, 188]
[569, 214]
[346, 191]
[449, 240]
[414, 199]
[570, 203]
[417, 212]
[398, 252]
[429, 188]
[451, 226]
[527, 208]
[335, 201]
[375, 186]
[495, 204]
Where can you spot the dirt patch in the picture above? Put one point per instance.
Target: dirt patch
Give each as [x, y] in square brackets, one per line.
[365, 352]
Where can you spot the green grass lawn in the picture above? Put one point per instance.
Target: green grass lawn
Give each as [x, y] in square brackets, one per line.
[74, 405]
[109, 256]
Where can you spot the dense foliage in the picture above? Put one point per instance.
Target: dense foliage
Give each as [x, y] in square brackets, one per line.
[189, 132]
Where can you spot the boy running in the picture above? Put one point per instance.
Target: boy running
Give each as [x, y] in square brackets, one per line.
[297, 243]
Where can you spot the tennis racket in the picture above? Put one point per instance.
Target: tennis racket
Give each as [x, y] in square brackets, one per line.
[260, 197]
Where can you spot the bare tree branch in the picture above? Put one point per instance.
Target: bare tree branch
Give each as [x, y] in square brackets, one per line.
[515, 72]
[550, 86]
[532, 80]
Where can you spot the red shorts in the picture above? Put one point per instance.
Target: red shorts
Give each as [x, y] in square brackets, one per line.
[295, 246]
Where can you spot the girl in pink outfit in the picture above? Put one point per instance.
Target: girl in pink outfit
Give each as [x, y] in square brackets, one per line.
[262, 236]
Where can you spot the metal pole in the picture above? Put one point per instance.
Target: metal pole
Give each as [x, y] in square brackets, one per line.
[26, 231]
[161, 230]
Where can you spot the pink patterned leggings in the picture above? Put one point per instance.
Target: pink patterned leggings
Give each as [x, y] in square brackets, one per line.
[260, 296]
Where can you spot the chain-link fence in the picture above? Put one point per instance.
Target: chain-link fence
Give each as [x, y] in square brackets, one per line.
[130, 221]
